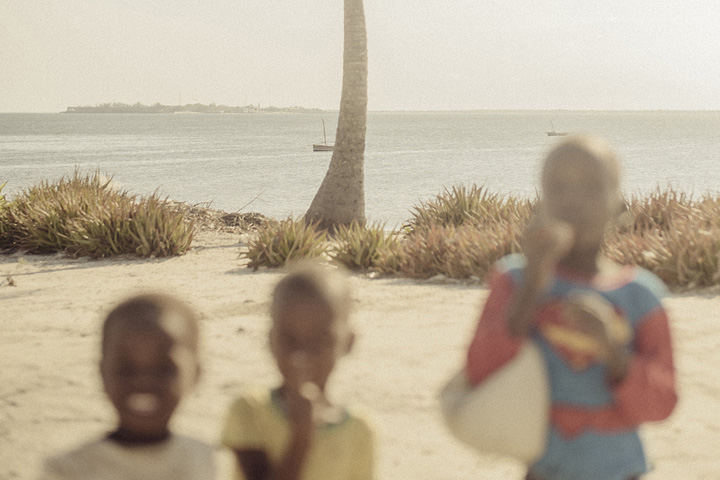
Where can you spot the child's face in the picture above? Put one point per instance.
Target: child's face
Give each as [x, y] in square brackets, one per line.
[582, 192]
[307, 341]
[145, 375]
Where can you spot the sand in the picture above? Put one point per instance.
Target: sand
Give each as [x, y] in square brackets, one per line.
[412, 335]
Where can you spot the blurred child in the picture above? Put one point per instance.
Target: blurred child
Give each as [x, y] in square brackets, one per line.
[149, 361]
[295, 431]
[601, 327]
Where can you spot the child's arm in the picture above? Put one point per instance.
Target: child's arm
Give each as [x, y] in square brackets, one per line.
[247, 439]
[492, 345]
[255, 463]
[300, 414]
[545, 243]
[507, 316]
[647, 392]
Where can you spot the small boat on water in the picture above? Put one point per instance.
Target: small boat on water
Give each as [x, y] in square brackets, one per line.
[319, 147]
[554, 133]
[323, 147]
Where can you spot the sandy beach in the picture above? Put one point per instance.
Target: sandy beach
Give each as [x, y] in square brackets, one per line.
[411, 336]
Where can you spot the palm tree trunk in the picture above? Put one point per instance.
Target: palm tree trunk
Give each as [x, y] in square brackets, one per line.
[341, 196]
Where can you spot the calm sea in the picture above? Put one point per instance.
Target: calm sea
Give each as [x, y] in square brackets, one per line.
[265, 163]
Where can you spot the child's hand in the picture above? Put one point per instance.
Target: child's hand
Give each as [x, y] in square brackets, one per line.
[546, 241]
[310, 405]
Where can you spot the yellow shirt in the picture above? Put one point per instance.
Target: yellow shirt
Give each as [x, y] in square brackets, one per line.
[342, 451]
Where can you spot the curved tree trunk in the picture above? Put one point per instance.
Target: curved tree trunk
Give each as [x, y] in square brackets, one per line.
[341, 196]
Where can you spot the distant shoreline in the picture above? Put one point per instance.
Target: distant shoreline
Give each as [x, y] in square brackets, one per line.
[189, 108]
[271, 109]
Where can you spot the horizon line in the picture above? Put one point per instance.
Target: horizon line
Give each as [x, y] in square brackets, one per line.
[470, 110]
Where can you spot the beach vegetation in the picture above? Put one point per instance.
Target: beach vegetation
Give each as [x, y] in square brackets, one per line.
[459, 234]
[672, 235]
[84, 215]
[276, 244]
[463, 231]
[364, 247]
[464, 252]
[3, 222]
[656, 210]
[472, 205]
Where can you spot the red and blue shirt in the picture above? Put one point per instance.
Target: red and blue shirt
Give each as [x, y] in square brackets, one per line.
[593, 432]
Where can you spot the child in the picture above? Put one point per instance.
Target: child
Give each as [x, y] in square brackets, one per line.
[149, 360]
[601, 327]
[295, 431]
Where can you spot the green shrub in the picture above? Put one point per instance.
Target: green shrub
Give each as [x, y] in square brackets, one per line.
[461, 233]
[472, 205]
[708, 210]
[457, 252]
[5, 241]
[360, 247]
[656, 210]
[144, 228]
[673, 236]
[85, 216]
[276, 244]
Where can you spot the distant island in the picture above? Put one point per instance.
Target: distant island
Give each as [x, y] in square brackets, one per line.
[189, 108]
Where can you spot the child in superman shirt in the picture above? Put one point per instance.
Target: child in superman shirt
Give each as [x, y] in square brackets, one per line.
[601, 327]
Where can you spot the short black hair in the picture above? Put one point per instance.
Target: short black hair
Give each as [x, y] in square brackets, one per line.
[312, 281]
[148, 313]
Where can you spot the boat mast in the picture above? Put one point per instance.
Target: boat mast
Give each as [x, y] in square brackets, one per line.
[324, 135]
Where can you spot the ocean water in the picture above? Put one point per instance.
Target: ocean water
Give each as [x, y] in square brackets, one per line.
[265, 163]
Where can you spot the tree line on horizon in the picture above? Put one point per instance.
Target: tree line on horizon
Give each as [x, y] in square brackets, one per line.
[118, 107]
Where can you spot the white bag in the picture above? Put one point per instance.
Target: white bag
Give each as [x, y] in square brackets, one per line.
[508, 413]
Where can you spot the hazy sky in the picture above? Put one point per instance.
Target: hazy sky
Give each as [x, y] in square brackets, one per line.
[424, 54]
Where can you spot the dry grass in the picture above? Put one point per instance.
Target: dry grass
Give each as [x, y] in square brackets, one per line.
[277, 244]
[465, 252]
[673, 236]
[359, 247]
[468, 205]
[86, 216]
[458, 234]
[204, 217]
[464, 230]
[461, 233]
